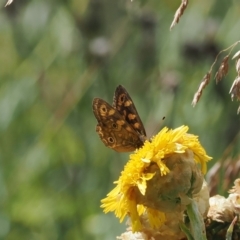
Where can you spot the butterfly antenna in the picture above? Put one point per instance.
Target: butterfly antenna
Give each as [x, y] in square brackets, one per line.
[158, 126]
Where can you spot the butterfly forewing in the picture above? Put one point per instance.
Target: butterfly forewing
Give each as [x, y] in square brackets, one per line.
[125, 106]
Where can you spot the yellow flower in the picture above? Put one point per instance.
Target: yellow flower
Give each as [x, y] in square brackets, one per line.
[158, 178]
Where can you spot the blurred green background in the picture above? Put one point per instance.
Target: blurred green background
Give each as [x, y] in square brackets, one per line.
[55, 57]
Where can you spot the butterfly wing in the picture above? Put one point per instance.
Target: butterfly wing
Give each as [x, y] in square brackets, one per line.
[125, 106]
[114, 131]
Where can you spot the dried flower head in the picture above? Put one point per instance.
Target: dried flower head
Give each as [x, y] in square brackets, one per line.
[159, 178]
[202, 85]
[221, 209]
[238, 66]
[223, 70]
[236, 55]
[224, 209]
[236, 187]
[235, 89]
[8, 2]
[222, 215]
[222, 212]
[238, 110]
[179, 13]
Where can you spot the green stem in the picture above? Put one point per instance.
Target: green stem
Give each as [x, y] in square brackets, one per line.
[196, 221]
[230, 229]
[186, 230]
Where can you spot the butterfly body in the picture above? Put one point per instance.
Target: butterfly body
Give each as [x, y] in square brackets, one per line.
[119, 126]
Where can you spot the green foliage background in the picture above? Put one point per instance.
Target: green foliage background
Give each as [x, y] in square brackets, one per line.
[55, 57]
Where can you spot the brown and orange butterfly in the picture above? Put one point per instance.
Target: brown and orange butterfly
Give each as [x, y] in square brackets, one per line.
[119, 126]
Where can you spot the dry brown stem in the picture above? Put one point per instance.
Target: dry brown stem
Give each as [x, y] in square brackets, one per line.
[223, 173]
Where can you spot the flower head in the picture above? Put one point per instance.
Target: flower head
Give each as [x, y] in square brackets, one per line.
[158, 178]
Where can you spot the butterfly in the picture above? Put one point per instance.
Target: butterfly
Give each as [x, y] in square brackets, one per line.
[119, 126]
